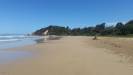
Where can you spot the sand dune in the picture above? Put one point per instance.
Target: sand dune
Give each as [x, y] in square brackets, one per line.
[69, 56]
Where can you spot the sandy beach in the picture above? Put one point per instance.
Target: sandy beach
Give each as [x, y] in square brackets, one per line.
[73, 55]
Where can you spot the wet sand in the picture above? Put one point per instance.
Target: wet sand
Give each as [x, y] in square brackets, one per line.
[69, 56]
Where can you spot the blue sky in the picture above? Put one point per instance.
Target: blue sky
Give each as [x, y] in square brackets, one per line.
[25, 16]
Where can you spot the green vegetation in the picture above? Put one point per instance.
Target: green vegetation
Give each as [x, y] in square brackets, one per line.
[119, 29]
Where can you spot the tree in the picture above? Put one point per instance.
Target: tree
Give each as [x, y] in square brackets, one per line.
[108, 31]
[120, 29]
[129, 26]
[76, 31]
[100, 27]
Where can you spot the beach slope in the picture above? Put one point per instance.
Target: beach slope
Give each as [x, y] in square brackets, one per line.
[68, 56]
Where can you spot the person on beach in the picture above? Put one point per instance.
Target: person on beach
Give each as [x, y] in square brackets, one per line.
[45, 35]
[95, 37]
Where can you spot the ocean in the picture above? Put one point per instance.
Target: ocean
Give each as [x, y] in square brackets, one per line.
[15, 40]
[12, 41]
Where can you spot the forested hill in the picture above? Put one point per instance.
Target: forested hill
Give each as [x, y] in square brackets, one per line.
[100, 29]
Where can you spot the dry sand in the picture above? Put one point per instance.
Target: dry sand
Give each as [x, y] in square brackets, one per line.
[116, 45]
[70, 56]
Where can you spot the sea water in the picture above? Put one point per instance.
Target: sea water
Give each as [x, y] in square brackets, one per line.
[8, 41]
[15, 40]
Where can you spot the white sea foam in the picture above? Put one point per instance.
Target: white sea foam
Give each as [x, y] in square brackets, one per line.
[6, 38]
[9, 41]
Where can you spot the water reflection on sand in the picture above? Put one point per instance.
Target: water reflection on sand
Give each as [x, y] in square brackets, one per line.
[10, 56]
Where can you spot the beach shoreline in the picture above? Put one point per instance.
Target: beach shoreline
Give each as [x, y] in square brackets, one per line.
[70, 55]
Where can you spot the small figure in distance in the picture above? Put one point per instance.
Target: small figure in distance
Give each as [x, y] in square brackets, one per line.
[46, 35]
[95, 37]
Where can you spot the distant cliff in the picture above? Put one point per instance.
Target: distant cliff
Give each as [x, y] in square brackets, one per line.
[53, 30]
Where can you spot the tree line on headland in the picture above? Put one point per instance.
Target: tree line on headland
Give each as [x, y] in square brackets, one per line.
[102, 29]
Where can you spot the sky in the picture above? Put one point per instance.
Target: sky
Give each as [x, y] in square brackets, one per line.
[26, 16]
